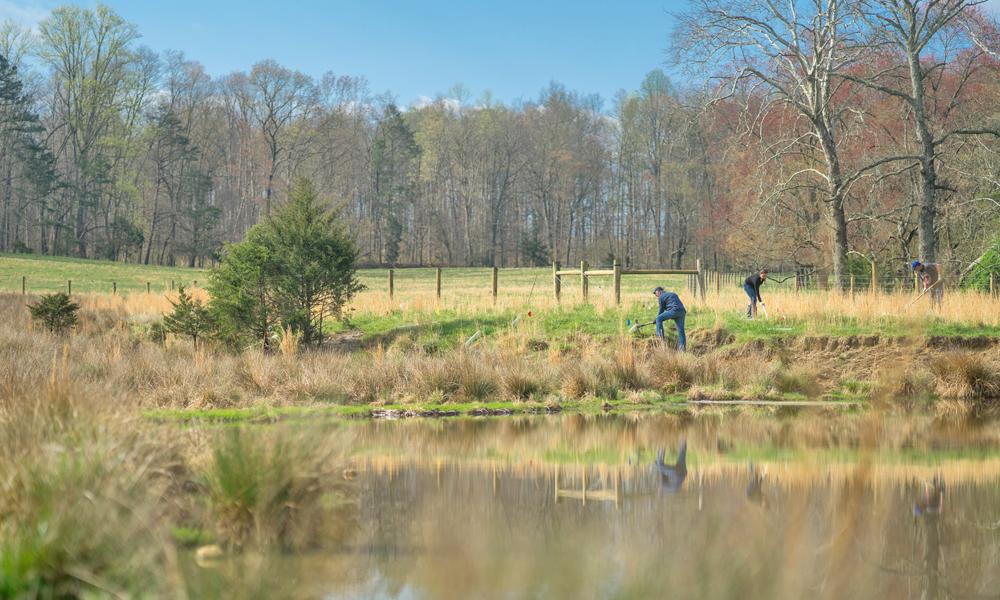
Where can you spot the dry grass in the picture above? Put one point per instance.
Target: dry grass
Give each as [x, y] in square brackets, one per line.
[966, 376]
[819, 310]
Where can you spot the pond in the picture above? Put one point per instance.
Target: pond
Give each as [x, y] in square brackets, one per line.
[855, 506]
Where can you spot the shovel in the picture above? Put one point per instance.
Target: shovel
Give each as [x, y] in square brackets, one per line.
[638, 326]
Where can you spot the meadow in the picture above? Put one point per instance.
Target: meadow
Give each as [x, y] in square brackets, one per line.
[138, 465]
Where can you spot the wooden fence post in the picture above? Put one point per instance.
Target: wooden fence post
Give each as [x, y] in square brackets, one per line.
[617, 268]
[69, 287]
[437, 282]
[701, 278]
[583, 280]
[147, 287]
[495, 276]
[24, 285]
[556, 283]
[114, 287]
[391, 284]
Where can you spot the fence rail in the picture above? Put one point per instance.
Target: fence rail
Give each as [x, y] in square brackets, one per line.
[700, 282]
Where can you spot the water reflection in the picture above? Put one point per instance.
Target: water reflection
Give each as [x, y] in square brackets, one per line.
[672, 476]
[578, 508]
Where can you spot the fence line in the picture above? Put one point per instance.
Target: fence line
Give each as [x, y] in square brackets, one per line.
[700, 282]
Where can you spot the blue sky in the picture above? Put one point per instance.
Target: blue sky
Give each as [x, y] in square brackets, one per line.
[414, 49]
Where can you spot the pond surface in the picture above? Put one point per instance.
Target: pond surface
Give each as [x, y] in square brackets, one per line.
[659, 507]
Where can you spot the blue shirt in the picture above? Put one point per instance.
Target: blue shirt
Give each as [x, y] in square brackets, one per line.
[670, 302]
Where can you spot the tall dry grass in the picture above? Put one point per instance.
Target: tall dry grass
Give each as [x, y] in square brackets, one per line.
[108, 350]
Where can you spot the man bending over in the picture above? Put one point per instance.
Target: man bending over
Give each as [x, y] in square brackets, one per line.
[671, 309]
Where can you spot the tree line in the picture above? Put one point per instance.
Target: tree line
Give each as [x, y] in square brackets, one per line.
[808, 134]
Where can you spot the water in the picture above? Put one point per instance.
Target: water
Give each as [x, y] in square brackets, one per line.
[581, 507]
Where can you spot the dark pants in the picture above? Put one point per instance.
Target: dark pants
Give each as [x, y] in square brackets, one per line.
[677, 316]
[752, 308]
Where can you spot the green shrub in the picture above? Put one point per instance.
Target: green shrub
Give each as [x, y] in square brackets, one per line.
[55, 312]
[190, 318]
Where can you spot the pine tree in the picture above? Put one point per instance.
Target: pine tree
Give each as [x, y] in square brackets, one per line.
[190, 317]
[56, 312]
[289, 271]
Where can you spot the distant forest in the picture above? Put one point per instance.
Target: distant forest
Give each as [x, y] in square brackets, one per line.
[806, 135]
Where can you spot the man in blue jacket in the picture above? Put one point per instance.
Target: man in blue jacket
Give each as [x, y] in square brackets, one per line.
[672, 309]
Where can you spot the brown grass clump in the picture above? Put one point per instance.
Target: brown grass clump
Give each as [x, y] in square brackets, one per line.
[967, 376]
[519, 382]
[673, 371]
[626, 370]
[903, 384]
[577, 381]
[799, 379]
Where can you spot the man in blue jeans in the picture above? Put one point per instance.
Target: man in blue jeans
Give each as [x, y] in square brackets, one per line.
[671, 309]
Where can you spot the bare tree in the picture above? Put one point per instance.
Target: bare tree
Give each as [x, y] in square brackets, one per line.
[927, 42]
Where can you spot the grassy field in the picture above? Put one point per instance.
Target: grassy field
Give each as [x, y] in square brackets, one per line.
[526, 302]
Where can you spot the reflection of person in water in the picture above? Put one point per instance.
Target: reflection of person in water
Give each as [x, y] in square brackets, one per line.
[927, 510]
[755, 487]
[672, 476]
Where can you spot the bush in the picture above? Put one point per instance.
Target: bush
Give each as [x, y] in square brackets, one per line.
[55, 312]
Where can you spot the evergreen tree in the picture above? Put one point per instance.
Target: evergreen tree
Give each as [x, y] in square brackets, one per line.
[56, 312]
[292, 269]
[190, 317]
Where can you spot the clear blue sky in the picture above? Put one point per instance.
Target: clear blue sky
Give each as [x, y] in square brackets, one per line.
[413, 48]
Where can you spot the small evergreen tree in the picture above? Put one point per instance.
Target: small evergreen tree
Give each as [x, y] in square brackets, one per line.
[55, 312]
[190, 317]
[289, 271]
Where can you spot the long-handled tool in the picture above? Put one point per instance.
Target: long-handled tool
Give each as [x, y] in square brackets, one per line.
[636, 327]
[929, 288]
[762, 305]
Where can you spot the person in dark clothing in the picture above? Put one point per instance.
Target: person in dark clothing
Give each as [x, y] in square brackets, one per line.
[672, 476]
[751, 285]
[672, 309]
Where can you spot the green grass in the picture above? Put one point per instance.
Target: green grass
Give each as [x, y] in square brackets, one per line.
[271, 414]
[49, 274]
[46, 274]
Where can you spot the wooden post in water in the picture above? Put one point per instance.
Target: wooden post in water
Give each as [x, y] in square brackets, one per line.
[496, 272]
[556, 283]
[437, 282]
[391, 284]
[617, 268]
[583, 280]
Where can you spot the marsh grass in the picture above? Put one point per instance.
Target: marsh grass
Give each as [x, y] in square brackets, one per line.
[273, 489]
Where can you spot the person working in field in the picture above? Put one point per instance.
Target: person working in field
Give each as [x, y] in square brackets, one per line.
[751, 285]
[930, 278]
[671, 309]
